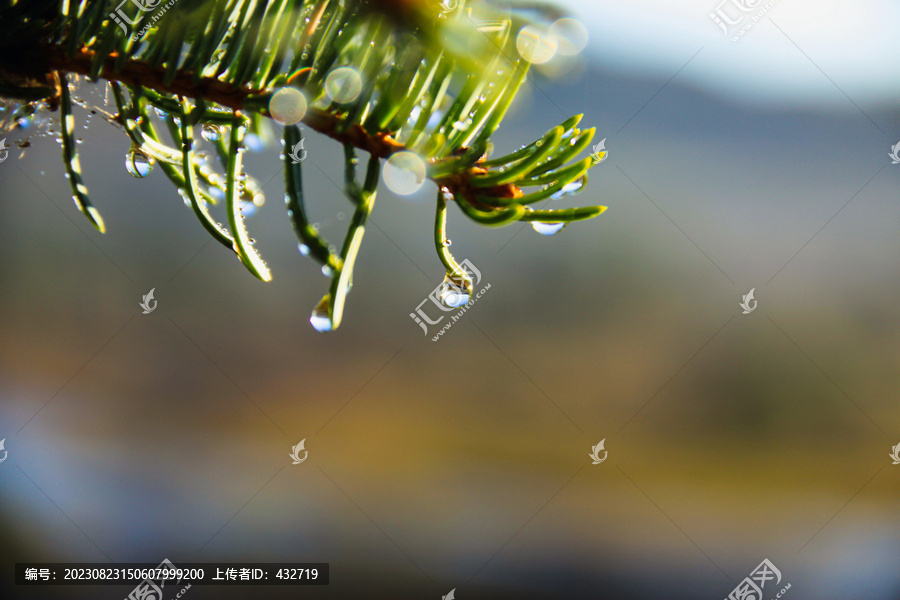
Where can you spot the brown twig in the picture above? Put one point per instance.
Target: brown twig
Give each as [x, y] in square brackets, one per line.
[381, 145]
[138, 73]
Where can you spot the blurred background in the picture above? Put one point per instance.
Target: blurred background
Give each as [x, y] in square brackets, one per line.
[463, 463]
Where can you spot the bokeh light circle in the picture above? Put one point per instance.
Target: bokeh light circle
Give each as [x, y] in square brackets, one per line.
[571, 36]
[287, 105]
[536, 44]
[404, 173]
[343, 85]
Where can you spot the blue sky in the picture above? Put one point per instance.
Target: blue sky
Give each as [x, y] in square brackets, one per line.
[852, 43]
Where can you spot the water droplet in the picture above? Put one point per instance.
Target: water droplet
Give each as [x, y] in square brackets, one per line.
[447, 242]
[547, 228]
[455, 291]
[304, 249]
[211, 133]
[327, 271]
[569, 188]
[138, 164]
[319, 318]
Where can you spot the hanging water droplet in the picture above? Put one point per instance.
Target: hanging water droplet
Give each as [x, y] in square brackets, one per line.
[447, 242]
[547, 228]
[138, 164]
[455, 291]
[319, 318]
[217, 193]
[304, 249]
[184, 197]
[569, 188]
[211, 133]
[327, 271]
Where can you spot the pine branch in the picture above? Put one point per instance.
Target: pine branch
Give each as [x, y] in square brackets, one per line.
[412, 83]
